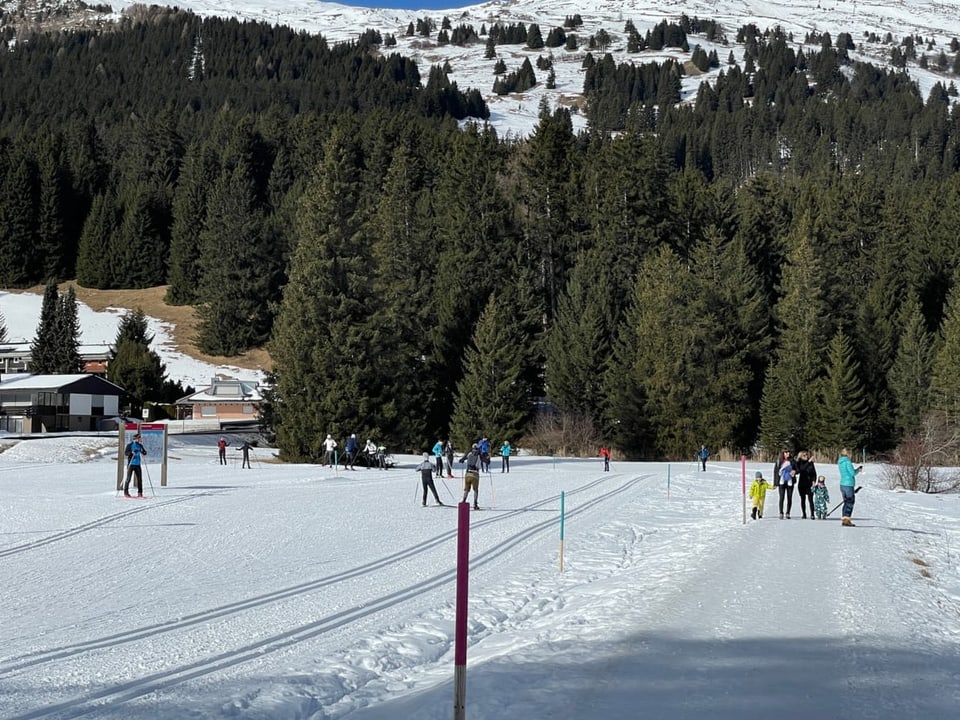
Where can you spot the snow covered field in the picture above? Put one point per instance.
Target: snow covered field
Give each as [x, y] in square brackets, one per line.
[291, 591]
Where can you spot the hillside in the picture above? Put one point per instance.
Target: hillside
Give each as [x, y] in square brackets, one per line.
[876, 26]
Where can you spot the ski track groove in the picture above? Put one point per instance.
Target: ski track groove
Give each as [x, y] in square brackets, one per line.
[114, 696]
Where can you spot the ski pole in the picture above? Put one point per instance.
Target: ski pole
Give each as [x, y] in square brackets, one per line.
[149, 480]
[416, 489]
[841, 502]
[493, 492]
[449, 492]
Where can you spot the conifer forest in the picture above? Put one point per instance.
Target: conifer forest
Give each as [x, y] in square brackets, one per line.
[774, 263]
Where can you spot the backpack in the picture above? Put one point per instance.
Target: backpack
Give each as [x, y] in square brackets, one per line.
[128, 450]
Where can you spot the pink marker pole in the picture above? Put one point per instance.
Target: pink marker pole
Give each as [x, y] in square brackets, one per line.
[460, 628]
[743, 478]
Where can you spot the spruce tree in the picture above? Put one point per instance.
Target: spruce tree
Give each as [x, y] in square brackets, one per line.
[45, 345]
[189, 215]
[578, 342]
[491, 398]
[945, 380]
[68, 334]
[96, 264]
[18, 201]
[788, 391]
[909, 377]
[839, 405]
[133, 365]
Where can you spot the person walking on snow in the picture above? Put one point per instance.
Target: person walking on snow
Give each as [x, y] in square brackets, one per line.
[471, 478]
[605, 454]
[505, 457]
[222, 450]
[448, 453]
[134, 453]
[438, 454]
[702, 456]
[848, 481]
[806, 476]
[329, 445]
[788, 476]
[426, 478]
[758, 494]
[821, 498]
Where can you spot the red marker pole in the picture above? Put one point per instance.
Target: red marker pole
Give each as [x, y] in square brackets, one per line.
[743, 478]
[460, 628]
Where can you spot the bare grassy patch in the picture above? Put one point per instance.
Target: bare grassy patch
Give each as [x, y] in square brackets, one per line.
[182, 318]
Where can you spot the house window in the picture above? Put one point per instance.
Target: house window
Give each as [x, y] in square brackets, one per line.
[248, 409]
[208, 411]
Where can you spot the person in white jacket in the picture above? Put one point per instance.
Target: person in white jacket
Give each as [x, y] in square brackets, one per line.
[329, 446]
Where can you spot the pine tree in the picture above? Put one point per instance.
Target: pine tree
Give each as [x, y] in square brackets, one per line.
[578, 342]
[18, 201]
[133, 365]
[45, 345]
[335, 357]
[801, 323]
[189, 215]
[840, 404]
[909, 377]
[945, 381]
[96, 265]
[68, 334]
[491, 399]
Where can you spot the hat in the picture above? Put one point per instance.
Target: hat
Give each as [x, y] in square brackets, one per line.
[353, 435]
[329, 436]
[821, 479]
[426, 456]
[758, 475]
[474, 447]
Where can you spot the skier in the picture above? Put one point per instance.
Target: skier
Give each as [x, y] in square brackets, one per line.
[471, 478]
[820, 498]
[245, 449]
[329, 445]
[505, 457]
[703, 455]
[605, 454]
[448, 453]
[426, 469]
[848, 479]
[134, 453]
[222, 449]
[758, 493]
[370, 450]
[484, 446]
[351, 447]
[438, 454]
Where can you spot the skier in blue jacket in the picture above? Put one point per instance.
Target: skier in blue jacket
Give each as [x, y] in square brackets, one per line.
[848, 481]
[438, 455]
[134, 453]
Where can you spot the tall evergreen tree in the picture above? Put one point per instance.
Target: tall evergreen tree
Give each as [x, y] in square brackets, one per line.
[491, 399]
[68, 334]
[133, 365]
[96, 262]
[18, 201]
[45, 346]
[909, 377]
[789, 386]
[945, 380]
[840, 403]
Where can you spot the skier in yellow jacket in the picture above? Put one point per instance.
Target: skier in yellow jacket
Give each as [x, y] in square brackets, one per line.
[758, 493]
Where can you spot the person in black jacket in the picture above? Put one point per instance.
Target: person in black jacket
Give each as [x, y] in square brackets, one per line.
[806, 477]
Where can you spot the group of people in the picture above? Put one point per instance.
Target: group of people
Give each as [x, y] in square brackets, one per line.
[800, 473]
[374, 455]
[476, 460]
[244, 447]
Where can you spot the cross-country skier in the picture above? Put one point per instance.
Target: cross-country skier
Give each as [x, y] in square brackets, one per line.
[134, 453]
[438, 454]
[222, 450]
[351, 448]
[448, 453]
[329, 445]
[848, 479]
[471, 478]
[426, 478]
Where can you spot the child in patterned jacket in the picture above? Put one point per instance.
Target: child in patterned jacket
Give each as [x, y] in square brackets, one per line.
[820, 498]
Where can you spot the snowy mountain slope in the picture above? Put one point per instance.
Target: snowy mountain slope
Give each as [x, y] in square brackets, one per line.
[290, 591]
[936, 22]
